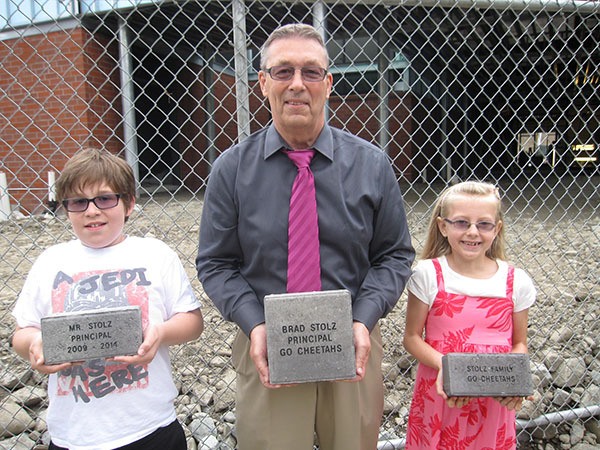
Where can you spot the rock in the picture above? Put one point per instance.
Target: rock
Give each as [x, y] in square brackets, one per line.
[561, 398]
[202, 426]
[14, 419]
[584, 446]
[593, 426]
[11, 379]
[208, 443]
[591, 396]
[570, 372]
[577, 432]
[29, 395]
[21, 442]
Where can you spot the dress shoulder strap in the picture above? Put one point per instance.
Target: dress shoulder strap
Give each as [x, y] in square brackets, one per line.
[439, 275]
[510, 282]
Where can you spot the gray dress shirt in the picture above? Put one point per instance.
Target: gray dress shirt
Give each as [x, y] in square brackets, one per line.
[365, 245]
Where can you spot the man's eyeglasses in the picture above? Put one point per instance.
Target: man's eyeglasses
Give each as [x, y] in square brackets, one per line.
[286, 73]
[464, 225]
[105, 201]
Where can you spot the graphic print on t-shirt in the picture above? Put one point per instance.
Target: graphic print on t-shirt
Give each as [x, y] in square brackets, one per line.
[94, 290]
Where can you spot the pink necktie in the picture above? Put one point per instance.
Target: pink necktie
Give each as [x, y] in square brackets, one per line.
[304, 266]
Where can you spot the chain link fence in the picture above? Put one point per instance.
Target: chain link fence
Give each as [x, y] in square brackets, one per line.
[496, 90]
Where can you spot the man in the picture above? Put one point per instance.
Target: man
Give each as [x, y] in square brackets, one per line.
[364, 246]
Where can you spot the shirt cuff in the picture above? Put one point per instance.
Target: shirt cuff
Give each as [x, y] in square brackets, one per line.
[248, 317]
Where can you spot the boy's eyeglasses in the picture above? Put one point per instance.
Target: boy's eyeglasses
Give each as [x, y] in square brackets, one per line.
[464, 225]
[105, 201]
[286, 73]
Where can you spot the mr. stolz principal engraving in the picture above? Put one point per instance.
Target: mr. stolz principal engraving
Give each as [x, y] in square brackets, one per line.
[85, 335]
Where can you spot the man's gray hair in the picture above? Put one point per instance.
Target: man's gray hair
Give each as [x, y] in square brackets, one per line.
[300, 30]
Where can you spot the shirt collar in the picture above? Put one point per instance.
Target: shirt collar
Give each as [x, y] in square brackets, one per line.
[274, 142]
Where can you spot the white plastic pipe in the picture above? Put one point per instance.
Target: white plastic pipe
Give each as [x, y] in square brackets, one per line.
[51, 182]
[4, 201]
[391, 444]
[559, 417]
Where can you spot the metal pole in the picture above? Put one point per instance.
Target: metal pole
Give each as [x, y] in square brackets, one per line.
[210, 108]
[319, 12]
[581, 6]
[241, 68]
[383, 93]
[319, 20]
[127, 93]
[443, 130]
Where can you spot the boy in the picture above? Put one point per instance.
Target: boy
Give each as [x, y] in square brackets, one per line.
[126, 401]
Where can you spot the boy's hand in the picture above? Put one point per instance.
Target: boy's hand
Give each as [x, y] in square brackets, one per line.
[147, 350]
[180, 328]
[36, 357]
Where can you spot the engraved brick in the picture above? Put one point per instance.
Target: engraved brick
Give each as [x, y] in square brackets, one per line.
[85, 335]
[487, 375]
[309, 336]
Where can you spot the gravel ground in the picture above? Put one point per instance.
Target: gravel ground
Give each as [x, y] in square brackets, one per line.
[553, 232]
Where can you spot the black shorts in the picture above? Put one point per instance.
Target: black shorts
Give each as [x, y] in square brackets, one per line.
[170, 437]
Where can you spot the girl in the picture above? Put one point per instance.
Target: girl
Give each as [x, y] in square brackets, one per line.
[466, 298]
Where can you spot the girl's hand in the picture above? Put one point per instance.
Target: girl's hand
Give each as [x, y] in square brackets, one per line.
[452, 402]
[457, 402]
[439, 385]
[512, 403]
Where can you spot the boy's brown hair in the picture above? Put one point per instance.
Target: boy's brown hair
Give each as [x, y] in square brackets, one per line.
[94, 166]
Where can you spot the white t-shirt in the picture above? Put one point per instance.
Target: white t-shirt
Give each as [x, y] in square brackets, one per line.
[102, 405]
[423, 284]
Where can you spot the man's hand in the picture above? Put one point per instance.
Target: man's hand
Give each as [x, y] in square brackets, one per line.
[258, 353]
[362, 349]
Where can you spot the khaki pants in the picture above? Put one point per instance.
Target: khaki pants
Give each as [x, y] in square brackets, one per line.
[344, 415]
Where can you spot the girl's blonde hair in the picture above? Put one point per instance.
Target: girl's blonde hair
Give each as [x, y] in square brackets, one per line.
[436, 244]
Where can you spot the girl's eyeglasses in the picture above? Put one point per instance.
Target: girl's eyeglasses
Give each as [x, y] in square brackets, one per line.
[464, 225]
[105, 201]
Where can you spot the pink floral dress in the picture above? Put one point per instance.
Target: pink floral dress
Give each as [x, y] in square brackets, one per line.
[459, 323]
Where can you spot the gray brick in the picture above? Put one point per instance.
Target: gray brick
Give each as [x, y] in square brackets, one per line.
[309, 337]
[85, 335]
[486, 375]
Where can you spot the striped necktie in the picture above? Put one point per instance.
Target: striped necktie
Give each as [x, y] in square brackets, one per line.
[304, 267]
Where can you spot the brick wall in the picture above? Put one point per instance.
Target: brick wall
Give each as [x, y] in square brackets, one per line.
[63, 92]
[60, 94]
